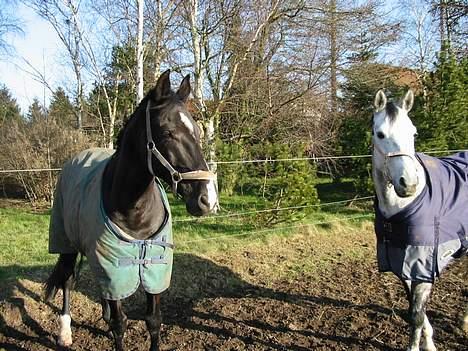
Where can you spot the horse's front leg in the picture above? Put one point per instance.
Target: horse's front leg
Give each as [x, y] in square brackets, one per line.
[117, 323]
[65, 334]
[153, 319]
[420, 325]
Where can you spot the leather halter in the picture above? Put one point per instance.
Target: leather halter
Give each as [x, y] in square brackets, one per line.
[389, 155]
[176, 176]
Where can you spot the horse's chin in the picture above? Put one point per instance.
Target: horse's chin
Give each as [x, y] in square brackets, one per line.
[195, 210]
[404, 192]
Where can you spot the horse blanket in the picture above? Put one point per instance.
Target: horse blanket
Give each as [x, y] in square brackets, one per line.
[423, 238]
[79, 224]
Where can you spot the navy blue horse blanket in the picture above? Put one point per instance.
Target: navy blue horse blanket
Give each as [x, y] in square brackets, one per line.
[421, 240]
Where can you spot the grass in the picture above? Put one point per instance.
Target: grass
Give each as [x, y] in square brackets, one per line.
[24, 231]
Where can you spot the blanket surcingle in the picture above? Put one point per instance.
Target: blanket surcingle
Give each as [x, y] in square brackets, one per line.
[79, 224]
[421, 240]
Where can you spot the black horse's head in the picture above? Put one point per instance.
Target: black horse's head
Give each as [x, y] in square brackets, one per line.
[171, 145]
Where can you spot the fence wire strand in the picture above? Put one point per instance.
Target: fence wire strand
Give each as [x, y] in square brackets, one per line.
[275, 229]
[267, 160]
[247, 213]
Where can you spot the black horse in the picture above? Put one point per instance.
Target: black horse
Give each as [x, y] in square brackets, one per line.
[105, 198]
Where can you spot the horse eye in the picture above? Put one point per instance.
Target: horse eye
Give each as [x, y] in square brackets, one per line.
[380, 135]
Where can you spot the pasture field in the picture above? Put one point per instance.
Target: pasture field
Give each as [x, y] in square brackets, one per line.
[307, 285]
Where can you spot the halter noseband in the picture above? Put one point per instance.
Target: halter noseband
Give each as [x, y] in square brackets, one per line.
[389, 155]
[176, 176]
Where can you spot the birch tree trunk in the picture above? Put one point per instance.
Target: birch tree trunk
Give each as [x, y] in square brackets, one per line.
[209, 123]
[140, 82]
[333, 59]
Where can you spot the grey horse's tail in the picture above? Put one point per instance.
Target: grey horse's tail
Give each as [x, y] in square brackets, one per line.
[65, 271]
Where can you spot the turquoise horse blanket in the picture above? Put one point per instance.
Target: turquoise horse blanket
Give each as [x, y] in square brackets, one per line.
[78, 224]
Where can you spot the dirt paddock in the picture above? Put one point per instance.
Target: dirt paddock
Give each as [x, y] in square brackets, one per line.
[230, 302]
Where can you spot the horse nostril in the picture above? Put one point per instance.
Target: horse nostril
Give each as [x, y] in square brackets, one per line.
[203, 202]
[403, 182]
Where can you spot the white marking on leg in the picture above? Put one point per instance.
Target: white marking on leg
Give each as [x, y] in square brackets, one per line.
[65, 333]
[212, 196]
[428, 343]
[415, 339]
[420, 294]
[187, 122]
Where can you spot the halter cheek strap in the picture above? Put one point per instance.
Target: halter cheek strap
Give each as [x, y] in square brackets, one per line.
[176, 176]
[389, 155]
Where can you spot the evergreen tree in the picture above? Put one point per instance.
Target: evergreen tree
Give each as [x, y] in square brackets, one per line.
[36, 112]
[363, 80]
[445, 125]
[9, 109]
[61, 110]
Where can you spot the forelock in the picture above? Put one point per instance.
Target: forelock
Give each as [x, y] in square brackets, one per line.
[392, 111]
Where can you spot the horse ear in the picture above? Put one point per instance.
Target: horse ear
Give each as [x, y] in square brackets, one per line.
[380, 101]
[163, 86]
[184, 89]
[408, 100]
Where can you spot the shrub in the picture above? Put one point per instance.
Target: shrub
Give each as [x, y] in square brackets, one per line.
[280, 184]
[37, 144]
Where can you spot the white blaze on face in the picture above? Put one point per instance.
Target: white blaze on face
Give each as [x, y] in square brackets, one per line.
[212, 196]
[187, 122]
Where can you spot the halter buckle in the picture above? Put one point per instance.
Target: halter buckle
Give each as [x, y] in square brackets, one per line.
[176, 177]
[150, 145]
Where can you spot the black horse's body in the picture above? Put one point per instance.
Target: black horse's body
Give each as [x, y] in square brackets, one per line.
[161, 124]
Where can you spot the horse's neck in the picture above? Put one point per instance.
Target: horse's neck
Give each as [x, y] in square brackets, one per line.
[131, 198]
[389, 202]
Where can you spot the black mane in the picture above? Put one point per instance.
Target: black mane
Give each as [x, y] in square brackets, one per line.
[127, 121]
[141, 109]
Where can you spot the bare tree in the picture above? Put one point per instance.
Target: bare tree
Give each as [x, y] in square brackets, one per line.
[451, 16]
[221, 42]
[420, 39]
[63, 16]
[9, 24]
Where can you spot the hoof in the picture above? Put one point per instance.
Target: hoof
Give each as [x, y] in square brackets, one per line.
[65, 339]
[429, 346]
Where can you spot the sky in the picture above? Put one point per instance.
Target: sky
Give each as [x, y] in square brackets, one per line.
[39, 45]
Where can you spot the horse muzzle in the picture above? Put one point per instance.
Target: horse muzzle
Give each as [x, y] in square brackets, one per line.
[405, 190]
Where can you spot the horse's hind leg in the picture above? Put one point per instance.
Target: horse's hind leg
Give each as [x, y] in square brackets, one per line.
[153, 319]
[63, 277]
[117, 323]
[420, 325]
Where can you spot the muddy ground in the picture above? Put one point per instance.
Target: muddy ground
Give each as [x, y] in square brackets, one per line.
[230, 301]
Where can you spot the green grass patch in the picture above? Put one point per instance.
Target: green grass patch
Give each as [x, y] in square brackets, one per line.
[23, 241]
[24, 233]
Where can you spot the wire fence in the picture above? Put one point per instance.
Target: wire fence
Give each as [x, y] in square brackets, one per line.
[269, 210]
[249, 213]
[269, 230]
[266, 160]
